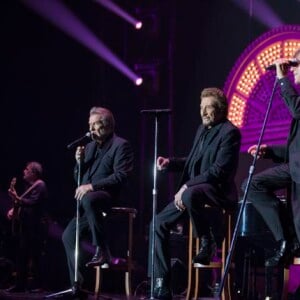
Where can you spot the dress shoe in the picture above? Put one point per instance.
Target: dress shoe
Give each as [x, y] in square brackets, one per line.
[15, 289]
[162, 290]
[101, 258]
[274, 260]
[208, 249]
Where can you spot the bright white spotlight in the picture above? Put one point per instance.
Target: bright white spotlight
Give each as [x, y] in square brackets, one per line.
[139, 81]
[113, 7]
[138, 25]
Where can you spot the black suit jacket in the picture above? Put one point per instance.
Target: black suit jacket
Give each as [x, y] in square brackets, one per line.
[291, 151]
[110, 170]
[218, 159]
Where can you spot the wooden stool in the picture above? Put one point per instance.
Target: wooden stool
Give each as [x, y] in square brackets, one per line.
[127, 265]
[286, 277]
[194, 269]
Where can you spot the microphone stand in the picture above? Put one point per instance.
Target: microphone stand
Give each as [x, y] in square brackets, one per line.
[154, 205]
[75, 289]
[157, 113]
[251, 171]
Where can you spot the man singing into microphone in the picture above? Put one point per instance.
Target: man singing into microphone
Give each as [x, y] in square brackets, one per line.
[106, 163]
[285, 175]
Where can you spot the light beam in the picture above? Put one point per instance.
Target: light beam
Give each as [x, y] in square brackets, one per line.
[61, 17]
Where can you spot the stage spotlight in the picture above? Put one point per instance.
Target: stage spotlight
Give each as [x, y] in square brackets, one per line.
[138, 25]
[139, 81]
[61, 17]
[150, 72]
[120, 12]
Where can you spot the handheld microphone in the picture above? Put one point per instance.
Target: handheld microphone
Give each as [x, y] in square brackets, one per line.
[78, 142]
[291, 63]
[156, 111]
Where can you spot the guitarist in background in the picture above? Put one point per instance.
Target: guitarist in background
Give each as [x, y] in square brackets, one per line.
[27, 212]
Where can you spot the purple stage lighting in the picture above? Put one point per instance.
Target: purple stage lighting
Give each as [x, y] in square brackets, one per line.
[249, 86]
[60, 16]
[138, 25]
[120, 12]
[261, 11]
[139, 81]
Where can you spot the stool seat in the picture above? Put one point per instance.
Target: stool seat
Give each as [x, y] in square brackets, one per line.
[120, 264]
[124, 210]
[212, 265]
[286, 277]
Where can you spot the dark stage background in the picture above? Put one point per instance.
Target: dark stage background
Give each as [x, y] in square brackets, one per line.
[48, 83]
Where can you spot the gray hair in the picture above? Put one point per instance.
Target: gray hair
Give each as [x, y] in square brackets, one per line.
[36, 168]
[108, 118]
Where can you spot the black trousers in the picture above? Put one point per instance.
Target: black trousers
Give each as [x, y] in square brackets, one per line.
[194, 199]
[29, 247]
[262, 194]
[91, 221]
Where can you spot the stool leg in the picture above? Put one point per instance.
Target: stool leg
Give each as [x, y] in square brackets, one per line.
[286, 275]
[127, 283]
[190, 265]
[196, 272]
[97, 281]
[129, 257]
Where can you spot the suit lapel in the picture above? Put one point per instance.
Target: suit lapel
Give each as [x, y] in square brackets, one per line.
[213, 132]
[100, 156]
[195, 145]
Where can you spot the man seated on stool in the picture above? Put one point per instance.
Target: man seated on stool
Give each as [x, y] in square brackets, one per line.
[207, 178]
[106, 163]
[285, 175]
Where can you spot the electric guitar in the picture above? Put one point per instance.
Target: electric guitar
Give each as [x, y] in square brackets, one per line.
[16, 207]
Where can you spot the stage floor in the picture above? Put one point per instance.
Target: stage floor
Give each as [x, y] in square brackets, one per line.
[37, 296]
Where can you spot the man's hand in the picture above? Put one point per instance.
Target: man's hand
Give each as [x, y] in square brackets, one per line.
[82, 190]
[13, 195]
[262, 150]
[282, 67]
[10, 214]
[178, 198]
[162, 163]
[79, 154]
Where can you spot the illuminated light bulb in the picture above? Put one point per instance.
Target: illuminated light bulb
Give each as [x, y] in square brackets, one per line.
[138, 25]
[139, 81]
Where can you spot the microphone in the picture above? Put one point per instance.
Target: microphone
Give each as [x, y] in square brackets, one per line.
[77, 142]
[156, 111]
[291, 63]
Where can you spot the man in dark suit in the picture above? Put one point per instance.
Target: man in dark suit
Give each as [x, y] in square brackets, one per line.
[207, 178]
[106, 163]
[285, 175]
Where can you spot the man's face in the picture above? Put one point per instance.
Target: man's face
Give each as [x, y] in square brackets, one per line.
[209, 112]
[99, 127]
[296, 71]
[28, 174]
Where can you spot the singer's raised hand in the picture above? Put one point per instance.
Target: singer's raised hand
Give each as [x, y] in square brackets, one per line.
[79, 154]
[162, 163]
[262, 150]
[282, 67]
